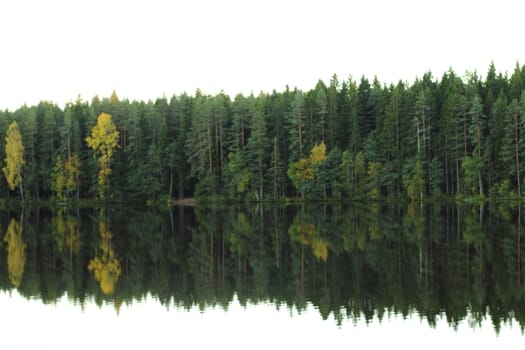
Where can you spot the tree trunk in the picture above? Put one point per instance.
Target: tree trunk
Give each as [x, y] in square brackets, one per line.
[180, 178]
[299, 129]
[171, 183]
[516, 139]
[209, 150]
[447, 189]
[457, 177]
[479, 159]
[242, 130]
[519, 245]
[221, 146]
[464, 135]
[21, 191]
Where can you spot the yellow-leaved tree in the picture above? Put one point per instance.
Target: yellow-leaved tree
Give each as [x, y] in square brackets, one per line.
[103, 141]
[318, 153]
[105, 265]
[303, 172]
[14, 158]
[65, 177]
[66, 233]
[16, 252]
[306, 234]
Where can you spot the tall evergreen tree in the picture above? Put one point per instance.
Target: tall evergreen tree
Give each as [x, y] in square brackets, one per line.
[296, 122]
[476, 132]
[512, 148]
[258, 148]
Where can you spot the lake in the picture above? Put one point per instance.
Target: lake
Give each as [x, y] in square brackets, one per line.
[263, 276]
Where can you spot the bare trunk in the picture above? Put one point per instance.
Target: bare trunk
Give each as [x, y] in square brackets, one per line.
[261, 178]
[424, 132]
[209, 150]
[516, 140]
[216, 151]
[480, 184]
[299, 129]
[322, 127]
[519, 244]
[479, 158]
[171, 183]
[180, 178]
[242, 130]
[447, 189]
[221, 148]
[464, 135]
[418, 140]
[457, 176]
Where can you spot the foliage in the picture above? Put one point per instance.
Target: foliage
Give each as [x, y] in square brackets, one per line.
[16, 252]
[472, 167]
[349, 261]
[237, 175]
[103, 141]
[305, 233]
[366, 137]
[14, 149]
[307, 172]
[65, 176]
[66, 232]
[413, 180]
[105, 265]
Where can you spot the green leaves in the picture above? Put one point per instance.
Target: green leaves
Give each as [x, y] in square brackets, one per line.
[374, 134]
[306, 171]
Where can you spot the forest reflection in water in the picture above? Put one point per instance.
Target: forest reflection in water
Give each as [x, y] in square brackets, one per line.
[461, 264]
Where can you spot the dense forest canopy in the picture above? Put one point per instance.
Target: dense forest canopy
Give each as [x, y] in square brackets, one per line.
[342, 139]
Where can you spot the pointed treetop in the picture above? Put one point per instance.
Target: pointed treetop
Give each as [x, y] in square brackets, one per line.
[114, 98]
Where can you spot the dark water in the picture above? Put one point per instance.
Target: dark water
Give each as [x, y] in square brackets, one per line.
[336, 273]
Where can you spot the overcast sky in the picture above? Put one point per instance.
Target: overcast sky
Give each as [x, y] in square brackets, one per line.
[56, 50]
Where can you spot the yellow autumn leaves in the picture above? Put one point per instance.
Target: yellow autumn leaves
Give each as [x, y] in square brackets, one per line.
[16, 252]
[306, 234]
[14, 158]
[105, 265]
[103, 141]
[302, 172]
[65, 176]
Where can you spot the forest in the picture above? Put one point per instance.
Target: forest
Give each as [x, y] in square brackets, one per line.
[453, 136]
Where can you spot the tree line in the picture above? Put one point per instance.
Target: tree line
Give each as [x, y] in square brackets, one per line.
[345, 139]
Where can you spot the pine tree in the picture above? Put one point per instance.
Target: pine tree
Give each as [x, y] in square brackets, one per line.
[296, 126]
[476, 130]
[258, 148]
[512, 148]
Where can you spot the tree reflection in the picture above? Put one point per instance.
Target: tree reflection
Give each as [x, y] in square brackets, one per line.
[66, 233]
[462, 263]
[304, 231]
[105, 265]
[16, 252]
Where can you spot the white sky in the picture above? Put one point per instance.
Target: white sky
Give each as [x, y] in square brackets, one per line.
[57, 49]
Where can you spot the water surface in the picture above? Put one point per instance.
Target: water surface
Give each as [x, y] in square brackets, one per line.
[263, 276]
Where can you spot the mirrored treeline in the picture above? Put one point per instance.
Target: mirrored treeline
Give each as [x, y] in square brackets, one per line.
[349, 261]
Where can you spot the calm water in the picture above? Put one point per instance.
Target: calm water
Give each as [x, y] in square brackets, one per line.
[258, 277]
